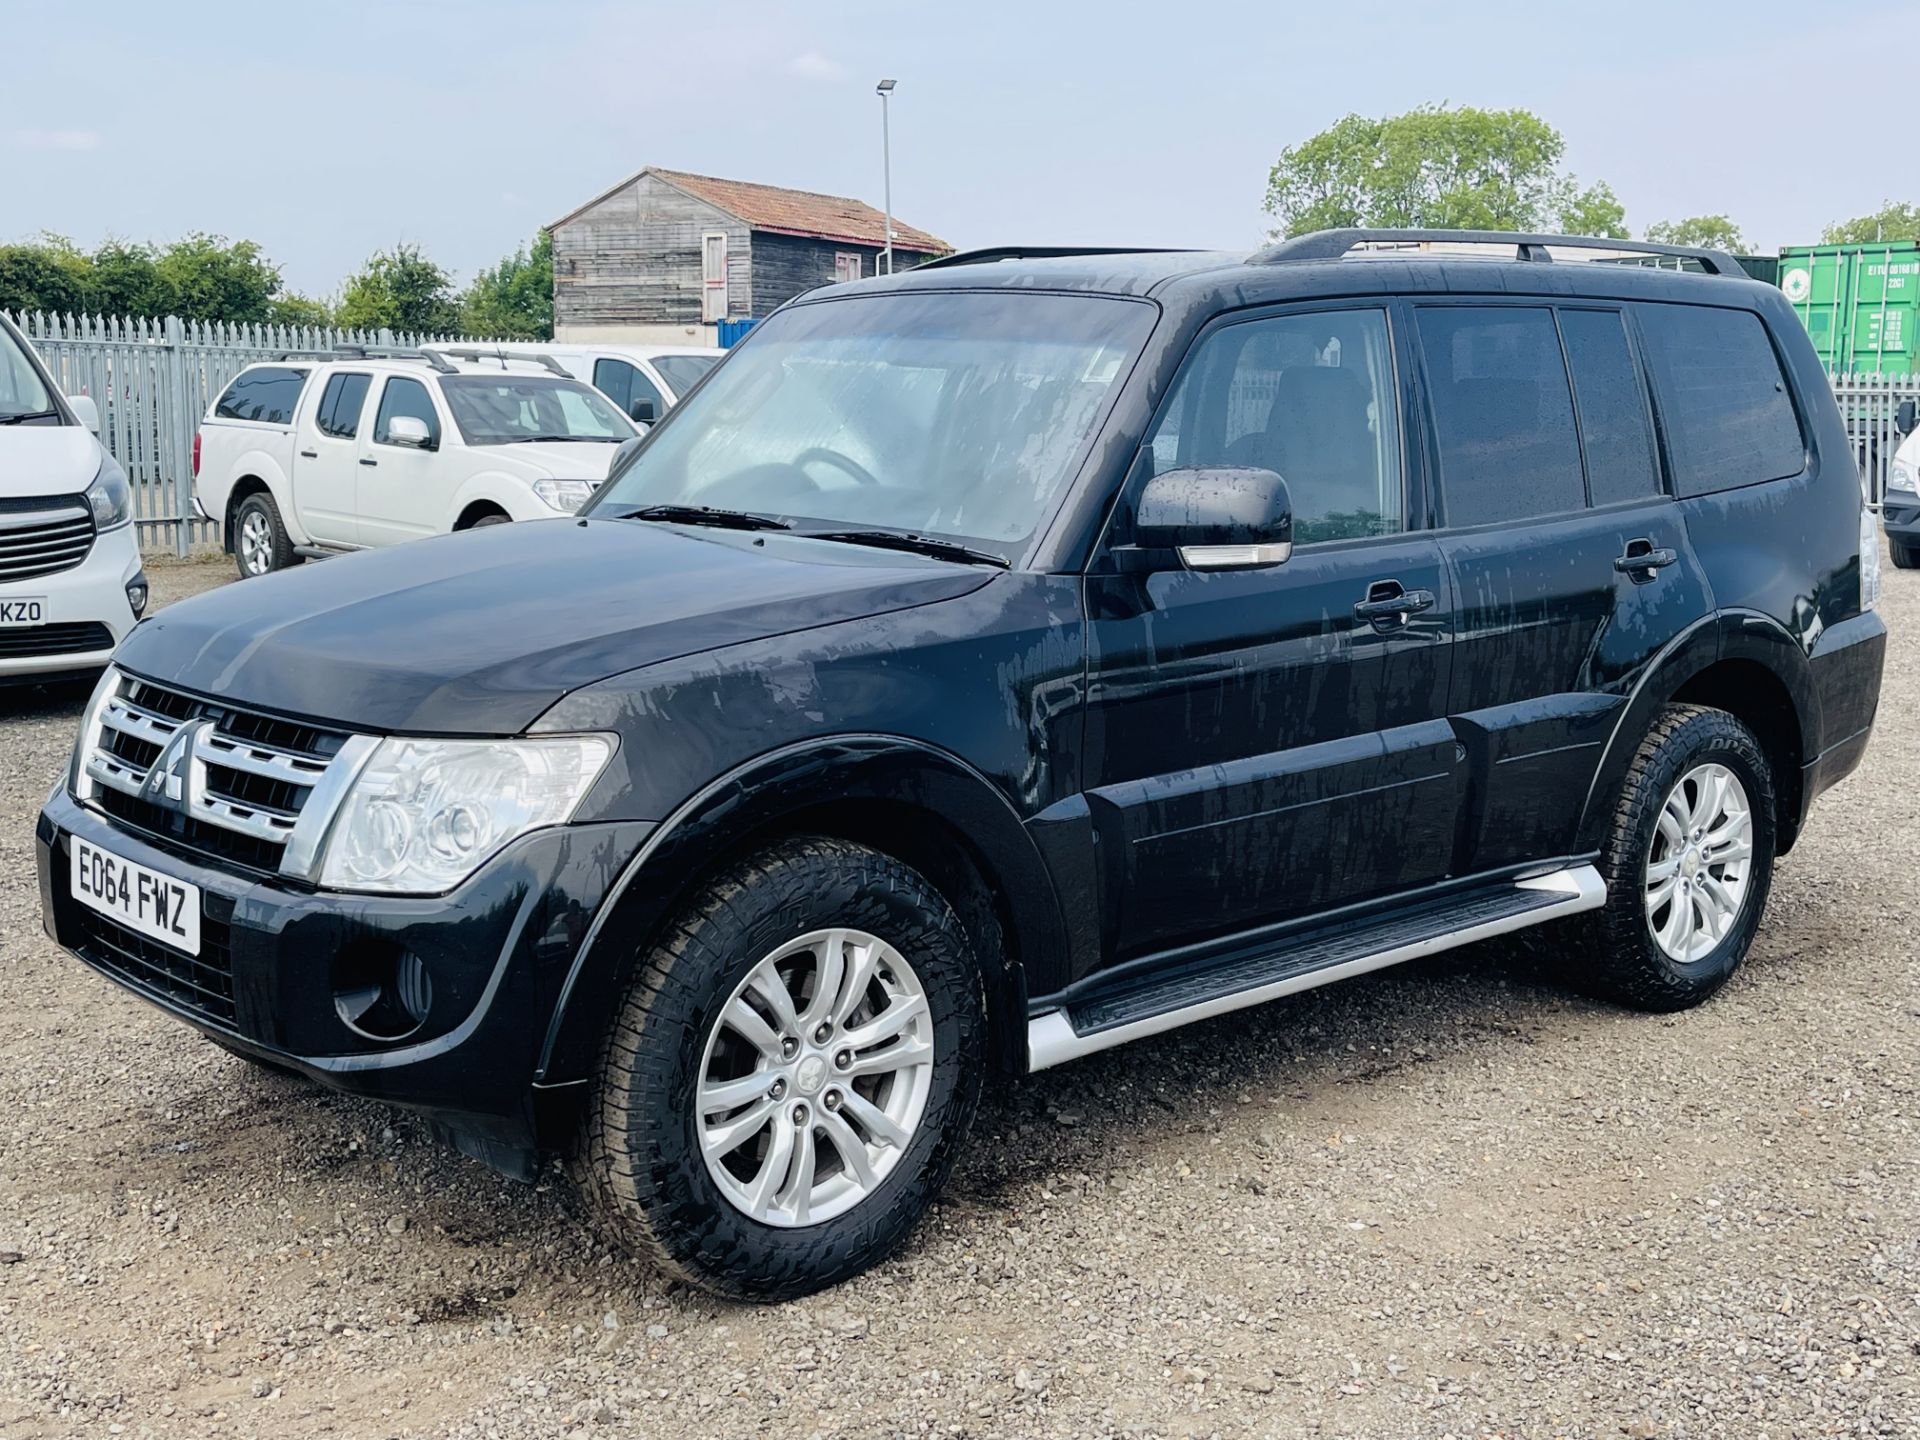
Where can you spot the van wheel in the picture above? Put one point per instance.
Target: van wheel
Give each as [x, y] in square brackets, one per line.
[791, 1074]
[1688, 862]
[1905, 557]
[260, 543]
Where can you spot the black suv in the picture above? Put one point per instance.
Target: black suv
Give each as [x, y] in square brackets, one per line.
[989, 665]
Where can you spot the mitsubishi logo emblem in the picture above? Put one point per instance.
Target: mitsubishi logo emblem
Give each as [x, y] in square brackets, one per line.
[170, 778]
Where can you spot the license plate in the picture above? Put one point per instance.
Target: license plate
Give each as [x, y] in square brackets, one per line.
[156, 905]
[27, 610]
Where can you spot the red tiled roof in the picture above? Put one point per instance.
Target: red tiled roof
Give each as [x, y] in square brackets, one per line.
[796, 212]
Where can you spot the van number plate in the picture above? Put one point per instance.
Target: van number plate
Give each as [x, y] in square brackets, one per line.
[27, 610]
[156, 905]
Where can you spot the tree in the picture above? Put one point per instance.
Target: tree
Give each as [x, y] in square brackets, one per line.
[1896, 220]
[47, 274]
[291, 309]
[514, 299]
[1462, 168]
[124, 279]
[1712, 232]
[212, 278]
[399, 289]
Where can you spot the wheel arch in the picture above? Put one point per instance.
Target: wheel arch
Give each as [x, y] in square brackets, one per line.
[1742, 662]
[910, 800]
[257, 479]
[476, 510]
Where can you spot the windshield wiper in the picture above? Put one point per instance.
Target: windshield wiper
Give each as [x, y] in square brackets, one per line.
[28, 415]
[916, 544]
[583, 439]
[705, 515]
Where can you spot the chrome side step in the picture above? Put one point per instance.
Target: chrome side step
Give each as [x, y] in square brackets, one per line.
[1102, 1023]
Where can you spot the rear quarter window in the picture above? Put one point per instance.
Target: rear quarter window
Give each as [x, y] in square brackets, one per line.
[1723, 398]
[267, 394]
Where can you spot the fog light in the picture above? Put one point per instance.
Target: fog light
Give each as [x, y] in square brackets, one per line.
[137, 594]
[381, 991]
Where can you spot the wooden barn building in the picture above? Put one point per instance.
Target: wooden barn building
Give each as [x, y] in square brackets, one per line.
[664, 256]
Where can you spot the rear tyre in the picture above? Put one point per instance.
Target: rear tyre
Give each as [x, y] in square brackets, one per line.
[1905, 557]
[791, 1075]
[1688, 862]
[260, 543]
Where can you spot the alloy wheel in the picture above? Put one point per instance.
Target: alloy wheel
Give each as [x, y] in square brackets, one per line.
[1700, 862]
[256, 543]
[815, 1077]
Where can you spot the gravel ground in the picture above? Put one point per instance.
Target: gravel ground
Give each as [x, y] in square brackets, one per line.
[1449, 1200]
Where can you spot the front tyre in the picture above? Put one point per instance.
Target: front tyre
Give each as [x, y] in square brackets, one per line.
[1905, 557]
[1688, 862]
[260, 541]
[791, 1075]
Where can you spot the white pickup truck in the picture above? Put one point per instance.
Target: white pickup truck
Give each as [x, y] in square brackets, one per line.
[314, 455]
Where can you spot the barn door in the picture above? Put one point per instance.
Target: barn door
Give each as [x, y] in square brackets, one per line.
[713, 276]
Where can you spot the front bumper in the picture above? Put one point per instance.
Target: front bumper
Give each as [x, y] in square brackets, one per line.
[272, 955]
[1900, 517]
[92, 592]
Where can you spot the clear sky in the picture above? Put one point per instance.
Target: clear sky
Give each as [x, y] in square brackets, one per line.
[327, 130]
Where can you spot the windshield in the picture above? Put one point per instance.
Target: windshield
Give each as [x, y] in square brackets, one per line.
[682, 371]
[506, 409]
[22, 392]
[956, 414]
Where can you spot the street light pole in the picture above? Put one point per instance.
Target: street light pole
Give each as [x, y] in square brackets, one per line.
[884, 90]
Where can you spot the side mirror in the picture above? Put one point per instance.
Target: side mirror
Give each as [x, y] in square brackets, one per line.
[409, 430]
[88, 413]
[623, 459]
[1217, 517]
[1905, 416]
[642, 412]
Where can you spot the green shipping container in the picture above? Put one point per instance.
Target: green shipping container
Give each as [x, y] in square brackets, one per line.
[1860, 304]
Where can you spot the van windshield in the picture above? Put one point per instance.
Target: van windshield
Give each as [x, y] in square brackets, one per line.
[683, 372]
[509, 409]
[955, 414]
[23, 395]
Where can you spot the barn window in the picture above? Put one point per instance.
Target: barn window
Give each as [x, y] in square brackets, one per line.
[713, 276]
[845, 267]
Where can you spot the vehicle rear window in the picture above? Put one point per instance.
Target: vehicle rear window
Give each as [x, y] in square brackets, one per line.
[1616, 428]
[340, 405]
[267, 394]
[1502, 413]
[1728, 414]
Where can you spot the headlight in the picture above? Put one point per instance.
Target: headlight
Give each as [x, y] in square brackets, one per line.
[567, 495]
[425, 814]
[110, 497]
[1900, 477]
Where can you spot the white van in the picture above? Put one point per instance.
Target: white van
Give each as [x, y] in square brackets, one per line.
[645, 381]
[70, 579]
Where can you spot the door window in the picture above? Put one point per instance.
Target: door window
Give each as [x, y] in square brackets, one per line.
[1730, 420]
[1502, 413]
[1616, 429]
[1309, 396]
[340, 405]
[406, 397]
[629, 388]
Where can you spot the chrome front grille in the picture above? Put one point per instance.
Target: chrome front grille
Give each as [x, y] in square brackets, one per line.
[43, 536]
[238, 785]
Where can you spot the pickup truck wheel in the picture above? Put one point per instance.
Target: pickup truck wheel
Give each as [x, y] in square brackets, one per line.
[1688, 862]
[1905, 557]
[260, 543]
[491, 520]
[791, 1075]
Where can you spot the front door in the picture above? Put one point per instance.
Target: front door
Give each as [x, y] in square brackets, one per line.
[1268, 744]
[1571, 565]
[325, 469]
[404, 491]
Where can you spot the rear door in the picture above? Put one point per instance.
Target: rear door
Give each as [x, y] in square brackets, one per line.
[1570, 562]
[1258, 747]
[326, 469]
[405, 493]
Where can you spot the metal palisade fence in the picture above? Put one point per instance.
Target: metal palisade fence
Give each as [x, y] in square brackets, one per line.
[153, 381]
[1867, 402]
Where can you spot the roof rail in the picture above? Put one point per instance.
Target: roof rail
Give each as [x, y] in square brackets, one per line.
[1333, 244]
[372, 352]
[993, 253]
[474, 352]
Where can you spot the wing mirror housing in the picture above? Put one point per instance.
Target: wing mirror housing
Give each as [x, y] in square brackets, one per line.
[1214, 518]
[410, 431]
[641, 412]
[623, 459]
[88, 413]
[1905, 416]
